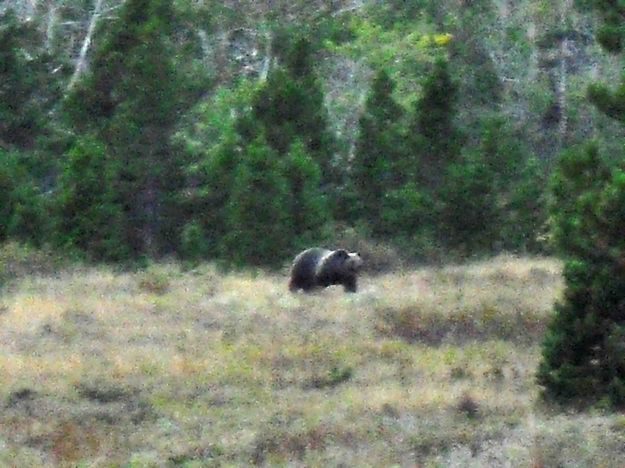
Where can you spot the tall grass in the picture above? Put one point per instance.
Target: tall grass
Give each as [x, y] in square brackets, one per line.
[199, 368]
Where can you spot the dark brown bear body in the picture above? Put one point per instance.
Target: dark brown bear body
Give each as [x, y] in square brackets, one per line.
[319, 268]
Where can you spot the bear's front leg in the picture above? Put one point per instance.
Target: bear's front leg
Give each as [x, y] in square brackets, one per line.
[349, 285]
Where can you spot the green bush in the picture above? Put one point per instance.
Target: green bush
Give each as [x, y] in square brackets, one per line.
[154, 280]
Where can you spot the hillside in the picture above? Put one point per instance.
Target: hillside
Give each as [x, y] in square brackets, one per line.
[197, 368]
[143, 129]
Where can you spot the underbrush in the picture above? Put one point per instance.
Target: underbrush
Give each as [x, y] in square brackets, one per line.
[167, 366]
[19, 260]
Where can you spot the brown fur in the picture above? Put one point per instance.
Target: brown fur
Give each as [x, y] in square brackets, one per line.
[319, 268]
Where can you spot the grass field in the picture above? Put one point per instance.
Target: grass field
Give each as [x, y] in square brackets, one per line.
[429, 367]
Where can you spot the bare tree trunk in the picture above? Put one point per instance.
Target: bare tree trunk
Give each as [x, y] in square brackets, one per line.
[562, 89]
[566, 6]
[82, 57]
[264, 71]
[51, 23]
[151, 213]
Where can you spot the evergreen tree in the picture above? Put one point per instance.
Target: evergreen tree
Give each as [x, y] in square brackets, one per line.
[517, 188]
[259, 230]
[308, 208]
[22, 85]
[611, 36]
[88, 215]
[129, 101]
[583, 352]
[290, 106]
[23, 214]
[525, 210]
[379, 164]
[210, 143]
[468, 219]
[408, 220]
[204, 201]
[435, 137]
[582, 356]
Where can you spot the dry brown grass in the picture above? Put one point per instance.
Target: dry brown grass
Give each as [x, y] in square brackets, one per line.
[432, 367]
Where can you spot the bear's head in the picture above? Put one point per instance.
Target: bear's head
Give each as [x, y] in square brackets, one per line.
[350, 261]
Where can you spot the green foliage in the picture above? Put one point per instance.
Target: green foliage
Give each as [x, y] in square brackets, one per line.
[435, 136]
[258, 226]
[335, 376]
[525, 210]
[193, 242]
[481, 87]
[611, 36]
[129, 100]
[518, 186]
[168, 175]
[308, 209]
[211, 147]
[583, 362]
[22, 209]
[25, 84]
[611, 33]
[257, 193]
[469, 216]
[89, 214]
[289, 106]
[380, 158]
[213, 178]
[409, 220]
[576, 185]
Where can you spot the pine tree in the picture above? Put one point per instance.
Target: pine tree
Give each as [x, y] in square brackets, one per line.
[379, 164]
[435, 137]
[611, 36]
[517, 188]
[583, 359]
[308, 207]
[22, 85]
[129, 101]
[87, 212]
[525, 210]
[468, 218]
[259, 230]
[204, 202]
[582, 362]
[290, 106]
[23, 214]
[408, 220]
[271, 169]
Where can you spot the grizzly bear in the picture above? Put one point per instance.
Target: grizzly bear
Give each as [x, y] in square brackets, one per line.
[319, 268]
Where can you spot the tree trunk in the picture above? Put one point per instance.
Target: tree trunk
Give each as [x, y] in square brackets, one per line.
[81, 63]
[562, 86]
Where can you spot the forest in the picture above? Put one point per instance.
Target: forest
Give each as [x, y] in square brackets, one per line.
[242, 132]
[163, 161]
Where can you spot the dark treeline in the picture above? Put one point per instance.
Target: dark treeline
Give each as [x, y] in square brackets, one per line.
[154, 141]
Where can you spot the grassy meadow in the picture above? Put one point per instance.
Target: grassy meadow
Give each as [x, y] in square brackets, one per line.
[167, 367]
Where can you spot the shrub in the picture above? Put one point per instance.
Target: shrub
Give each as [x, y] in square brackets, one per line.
[19, 260]
[154, 281]
[335, 376]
